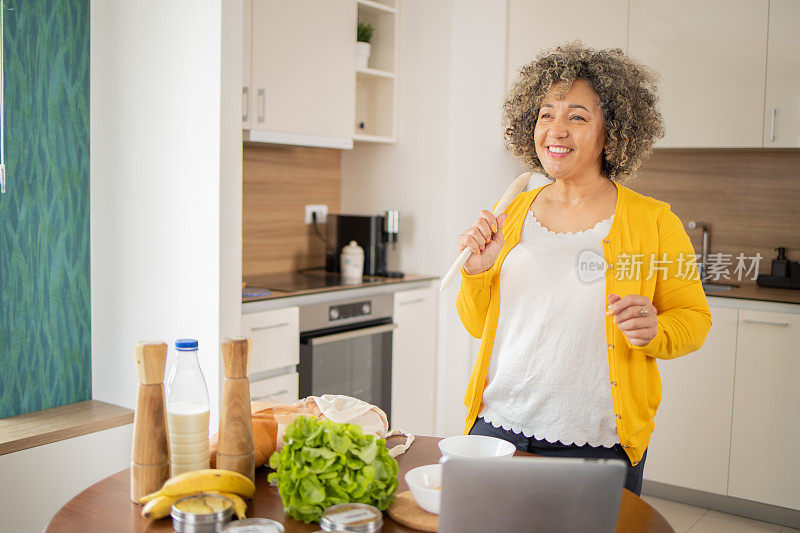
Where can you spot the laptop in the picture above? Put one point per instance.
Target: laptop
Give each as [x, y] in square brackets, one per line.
[530, 494]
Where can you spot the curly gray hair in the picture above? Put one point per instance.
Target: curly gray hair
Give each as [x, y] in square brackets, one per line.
[627, 91]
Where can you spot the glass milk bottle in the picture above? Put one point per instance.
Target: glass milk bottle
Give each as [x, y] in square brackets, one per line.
[187, 411]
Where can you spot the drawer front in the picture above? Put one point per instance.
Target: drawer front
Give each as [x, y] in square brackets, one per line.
[280, 388]
[276, 338]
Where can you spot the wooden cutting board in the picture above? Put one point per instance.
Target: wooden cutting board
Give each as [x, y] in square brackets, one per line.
[405, 511]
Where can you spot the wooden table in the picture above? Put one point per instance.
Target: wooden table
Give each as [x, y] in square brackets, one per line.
[105, 506]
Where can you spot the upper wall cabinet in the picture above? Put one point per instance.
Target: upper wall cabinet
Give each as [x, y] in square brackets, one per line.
[534, 26]
[302, 72]
[781, 109]
[712, 59]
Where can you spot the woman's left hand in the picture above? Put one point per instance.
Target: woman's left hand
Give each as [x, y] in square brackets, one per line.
[635, 316]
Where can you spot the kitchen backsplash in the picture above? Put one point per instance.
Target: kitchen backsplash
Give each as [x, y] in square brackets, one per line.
[750, 199]
[279, 181]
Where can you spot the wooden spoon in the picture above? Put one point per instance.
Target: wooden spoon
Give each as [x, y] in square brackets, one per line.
[513, 190]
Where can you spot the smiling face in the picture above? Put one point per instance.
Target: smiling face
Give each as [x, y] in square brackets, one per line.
[570, 132]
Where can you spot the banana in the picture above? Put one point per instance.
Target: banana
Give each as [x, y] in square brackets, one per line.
[159, 507]
[205, 481]
[239, 505]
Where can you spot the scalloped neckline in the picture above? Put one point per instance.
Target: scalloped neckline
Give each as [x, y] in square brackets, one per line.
[537, 224]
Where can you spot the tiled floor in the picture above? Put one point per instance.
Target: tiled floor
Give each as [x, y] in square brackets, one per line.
[683, 518]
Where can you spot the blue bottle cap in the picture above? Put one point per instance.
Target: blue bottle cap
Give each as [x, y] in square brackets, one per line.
[186, 344]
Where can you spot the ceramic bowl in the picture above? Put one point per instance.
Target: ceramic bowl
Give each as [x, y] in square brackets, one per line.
[475, 447]
[425, 484]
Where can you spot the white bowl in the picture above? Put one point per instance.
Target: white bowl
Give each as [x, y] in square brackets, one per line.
[425, 483]
[475, 447]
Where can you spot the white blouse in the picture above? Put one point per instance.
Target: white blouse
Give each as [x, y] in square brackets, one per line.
[548, 374]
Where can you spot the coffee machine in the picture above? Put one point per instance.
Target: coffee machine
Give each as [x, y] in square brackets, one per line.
[372, 232]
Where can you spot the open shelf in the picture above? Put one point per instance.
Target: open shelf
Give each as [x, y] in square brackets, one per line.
[382, 56]
[376, 85]
[375, 72]
[375, 106]
[377, 6]
[373, 139]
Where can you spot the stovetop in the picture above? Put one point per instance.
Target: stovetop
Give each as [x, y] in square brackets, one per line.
[303, 281]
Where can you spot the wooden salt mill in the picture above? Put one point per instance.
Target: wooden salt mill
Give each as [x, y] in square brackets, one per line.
[150, 454]
[235, 449]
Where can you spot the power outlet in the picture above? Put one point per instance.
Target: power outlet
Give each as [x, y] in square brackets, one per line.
[320, 210]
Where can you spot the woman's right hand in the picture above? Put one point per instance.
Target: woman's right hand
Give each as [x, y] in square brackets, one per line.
[485, 238]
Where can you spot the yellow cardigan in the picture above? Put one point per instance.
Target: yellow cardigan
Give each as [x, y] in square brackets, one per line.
[645, 232]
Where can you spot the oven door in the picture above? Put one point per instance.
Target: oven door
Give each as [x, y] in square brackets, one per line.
[353, 361]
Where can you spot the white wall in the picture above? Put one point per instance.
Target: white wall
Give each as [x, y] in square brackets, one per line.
[230, 235]
[409, 175]
[164, 172]
[38, 481]
[449, 161]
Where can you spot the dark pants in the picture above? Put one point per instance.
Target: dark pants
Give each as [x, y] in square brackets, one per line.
[633, 480]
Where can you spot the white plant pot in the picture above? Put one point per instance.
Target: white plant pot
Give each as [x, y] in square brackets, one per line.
[362, 54]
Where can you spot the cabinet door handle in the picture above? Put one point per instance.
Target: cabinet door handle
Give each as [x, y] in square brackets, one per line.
[262, 104]
[768, 323]
[350, 335]
[414, 301]
[245, 103]
[269, 395]
[772, 125]
[273, 326]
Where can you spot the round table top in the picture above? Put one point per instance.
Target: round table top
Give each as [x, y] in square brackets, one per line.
[106, 505]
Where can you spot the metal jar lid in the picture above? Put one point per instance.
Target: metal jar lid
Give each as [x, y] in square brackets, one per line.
[352, 517]
[188, 515]
[254, 525]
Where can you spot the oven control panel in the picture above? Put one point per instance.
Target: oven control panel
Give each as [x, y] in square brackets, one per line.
[344, 312]
[349, 310]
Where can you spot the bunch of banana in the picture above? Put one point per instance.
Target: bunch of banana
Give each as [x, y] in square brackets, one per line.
[230, 484]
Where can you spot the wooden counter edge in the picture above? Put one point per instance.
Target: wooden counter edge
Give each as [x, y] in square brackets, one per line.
[29, 430]
[759, 293]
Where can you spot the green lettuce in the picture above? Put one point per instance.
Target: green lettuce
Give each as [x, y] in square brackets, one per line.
[324, 463]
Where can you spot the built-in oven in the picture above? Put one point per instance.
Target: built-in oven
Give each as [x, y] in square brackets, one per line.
[346, 348]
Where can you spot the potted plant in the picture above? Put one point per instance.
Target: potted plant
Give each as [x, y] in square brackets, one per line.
[363, 37]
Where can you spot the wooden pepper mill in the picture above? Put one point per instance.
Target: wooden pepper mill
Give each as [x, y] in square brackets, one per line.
[150, 454]
[235, 449]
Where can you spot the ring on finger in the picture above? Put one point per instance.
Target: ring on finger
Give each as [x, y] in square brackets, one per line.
[644, 311]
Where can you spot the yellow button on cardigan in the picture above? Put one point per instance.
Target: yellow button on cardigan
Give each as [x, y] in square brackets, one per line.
[648, 253]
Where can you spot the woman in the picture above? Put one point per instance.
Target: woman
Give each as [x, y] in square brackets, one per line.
[581, 284]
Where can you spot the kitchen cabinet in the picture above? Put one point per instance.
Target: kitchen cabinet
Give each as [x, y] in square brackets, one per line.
[276, 339]
[712, 59]
[690, 445]
[283, 388]
[766, 409]
[414, 360]
[729, 417]
[534, 26]
[302, 72]
[781, 112]
[247, 54]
